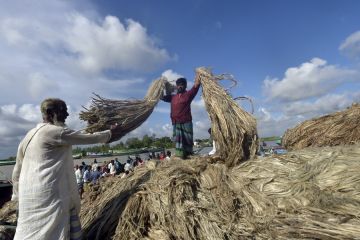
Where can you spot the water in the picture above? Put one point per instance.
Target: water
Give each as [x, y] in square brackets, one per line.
[6, 171]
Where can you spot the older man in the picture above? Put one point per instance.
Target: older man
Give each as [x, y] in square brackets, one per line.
[44, 181]
[181, 116]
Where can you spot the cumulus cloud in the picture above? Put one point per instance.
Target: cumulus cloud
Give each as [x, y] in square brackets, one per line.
[14, 123]
[66, 49]
[38, 84]
[54, 48]
[171, 75]
[112, 44]
[17, 120]
[269, 125]
[326, 104]
[351, 46]
[310, 79]
[275, 119]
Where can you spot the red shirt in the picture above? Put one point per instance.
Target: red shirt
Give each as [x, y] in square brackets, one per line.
[180, 105]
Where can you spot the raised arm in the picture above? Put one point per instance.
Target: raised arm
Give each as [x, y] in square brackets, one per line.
[197, 80]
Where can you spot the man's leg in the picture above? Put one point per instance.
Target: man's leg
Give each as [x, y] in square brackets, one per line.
[187, 139]
[178, 139]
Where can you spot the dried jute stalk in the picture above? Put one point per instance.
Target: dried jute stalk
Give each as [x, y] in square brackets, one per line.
[233, 129]
[129, 114]
[337, 128]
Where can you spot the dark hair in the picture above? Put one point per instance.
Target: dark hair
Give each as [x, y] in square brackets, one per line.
[181, 81]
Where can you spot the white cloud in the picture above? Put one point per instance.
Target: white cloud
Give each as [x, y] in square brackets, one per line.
[113, 45]
[66, 49]
[16, 121]
[326, 104]
[310, 79]
[276, 126]
[171, 75]
[351, 46]
[264, 115]
[273, 121]
[54, 48]
[38, 84]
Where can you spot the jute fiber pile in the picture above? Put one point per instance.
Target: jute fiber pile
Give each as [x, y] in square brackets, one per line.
[309, 194]
[334, 129]
[130, 113]
[233, 129]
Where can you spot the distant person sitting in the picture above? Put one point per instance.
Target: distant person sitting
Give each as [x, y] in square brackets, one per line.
[112, 168]
[87, 178]
[96, 175]
[83, 164]
[127, 168]
[168, 155]
[118, 166]
[95, 165]
[79, 179]
[104, 169]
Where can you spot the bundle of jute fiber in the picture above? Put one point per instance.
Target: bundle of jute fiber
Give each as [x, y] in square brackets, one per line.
[233, 129]
[338, 128]
[309, 194]
[129, 114]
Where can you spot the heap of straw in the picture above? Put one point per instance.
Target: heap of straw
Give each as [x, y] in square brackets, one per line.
[312, 194]
[233, 129]
[334, 129]
[129, 114]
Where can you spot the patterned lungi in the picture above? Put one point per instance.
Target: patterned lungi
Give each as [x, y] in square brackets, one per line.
[183, 137]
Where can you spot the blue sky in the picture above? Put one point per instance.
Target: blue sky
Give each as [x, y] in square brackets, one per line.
[295, 59]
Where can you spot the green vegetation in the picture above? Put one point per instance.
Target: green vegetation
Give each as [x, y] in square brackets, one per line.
[130, 144]
[273, 138]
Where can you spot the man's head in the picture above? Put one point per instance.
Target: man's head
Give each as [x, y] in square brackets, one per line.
[181, 84]
[54, 110]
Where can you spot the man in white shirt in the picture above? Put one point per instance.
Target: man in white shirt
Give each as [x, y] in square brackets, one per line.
[112, 168]
[79, 180]
[44, 182]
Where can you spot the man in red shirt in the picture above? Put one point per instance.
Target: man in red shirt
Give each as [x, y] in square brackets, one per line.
[181, 116]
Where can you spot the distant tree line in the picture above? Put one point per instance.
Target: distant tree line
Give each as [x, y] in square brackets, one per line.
[131, 143]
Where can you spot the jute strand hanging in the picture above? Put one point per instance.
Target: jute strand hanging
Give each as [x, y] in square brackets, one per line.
[233, 129]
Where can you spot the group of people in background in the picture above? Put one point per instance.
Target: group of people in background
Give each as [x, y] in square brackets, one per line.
[91, 174]
[160, 156]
